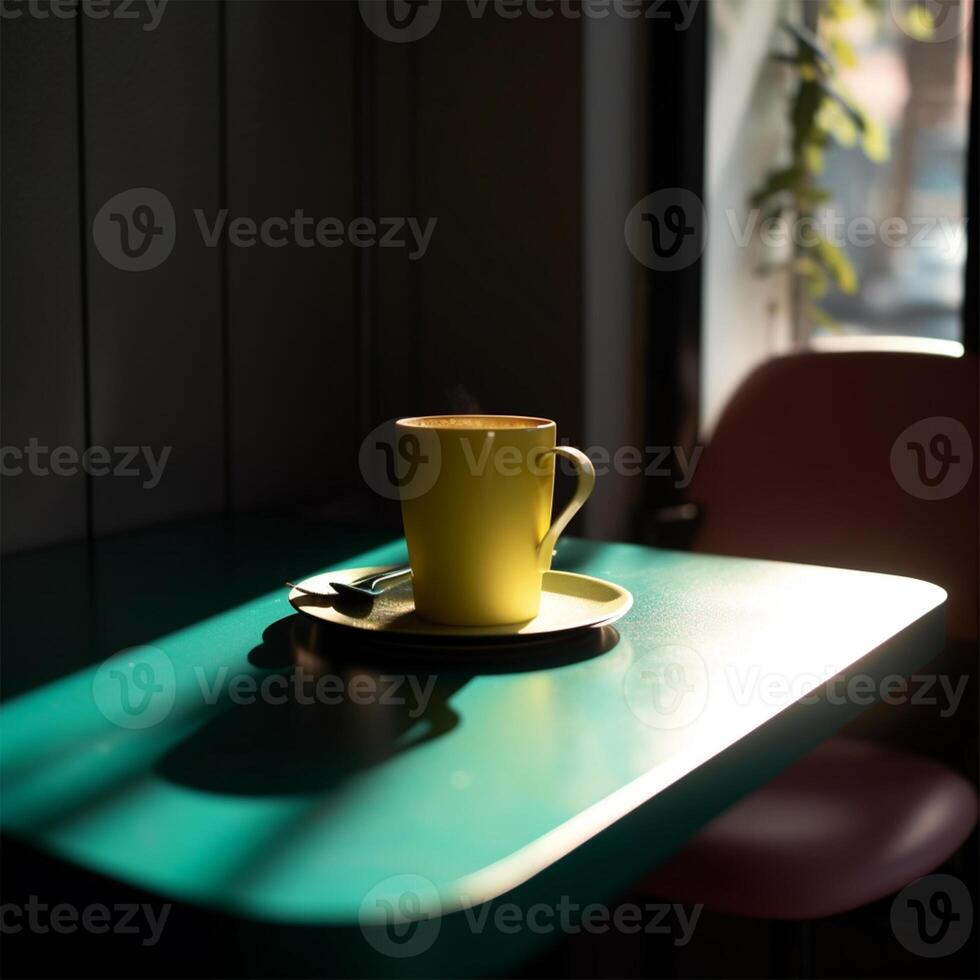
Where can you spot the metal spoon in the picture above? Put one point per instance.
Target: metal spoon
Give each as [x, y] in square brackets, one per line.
[367, 586]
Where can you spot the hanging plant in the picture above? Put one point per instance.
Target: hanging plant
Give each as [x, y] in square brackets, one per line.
[822, 112]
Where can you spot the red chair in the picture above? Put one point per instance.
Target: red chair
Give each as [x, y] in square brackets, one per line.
[814, 460]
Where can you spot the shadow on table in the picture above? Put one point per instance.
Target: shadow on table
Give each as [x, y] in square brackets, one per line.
[66, 607]
[334, 704]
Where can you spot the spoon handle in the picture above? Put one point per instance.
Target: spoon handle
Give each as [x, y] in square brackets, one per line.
[378, 579]
[366, 583]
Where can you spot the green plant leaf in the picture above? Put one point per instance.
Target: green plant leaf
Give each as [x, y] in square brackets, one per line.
[918, 22]
[837, 264]
[813, 155]
[814, 195]
[838, 10]
[837, 123]
[844, 52]
[809, 97]
[875, 140]
[779, 181]
[829, 92]
[811, 275]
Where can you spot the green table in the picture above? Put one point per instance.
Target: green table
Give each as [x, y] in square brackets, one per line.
[559, 772]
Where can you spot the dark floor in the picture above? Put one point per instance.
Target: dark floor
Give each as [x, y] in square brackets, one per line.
[196, 944]
[858, 944]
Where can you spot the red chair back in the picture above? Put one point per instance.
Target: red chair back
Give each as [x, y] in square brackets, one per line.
[860, 460]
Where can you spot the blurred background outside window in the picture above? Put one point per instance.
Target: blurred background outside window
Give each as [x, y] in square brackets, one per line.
[835, 181]
[912, 75]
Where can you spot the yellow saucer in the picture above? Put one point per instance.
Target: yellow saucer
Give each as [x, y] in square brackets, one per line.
[568, 602]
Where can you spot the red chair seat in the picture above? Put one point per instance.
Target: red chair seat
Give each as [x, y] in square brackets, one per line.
[848, 824]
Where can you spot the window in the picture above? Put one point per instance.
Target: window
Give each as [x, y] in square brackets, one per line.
[902, 222]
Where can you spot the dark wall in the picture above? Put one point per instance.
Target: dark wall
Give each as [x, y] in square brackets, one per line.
[42, 392]
[262, 367]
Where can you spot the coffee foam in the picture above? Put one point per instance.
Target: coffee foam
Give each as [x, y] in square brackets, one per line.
[482, 422]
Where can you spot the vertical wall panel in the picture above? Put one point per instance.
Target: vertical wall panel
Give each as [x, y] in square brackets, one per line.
[243, 360]
[614, 311]
[42, 356]
[398, 356]
[293, 347]
[152, 121]
[500, 166]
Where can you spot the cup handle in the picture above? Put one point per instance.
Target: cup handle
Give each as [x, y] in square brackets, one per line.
[586, 483]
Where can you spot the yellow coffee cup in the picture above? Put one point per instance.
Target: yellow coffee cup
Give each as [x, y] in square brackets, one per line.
[477, 512]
